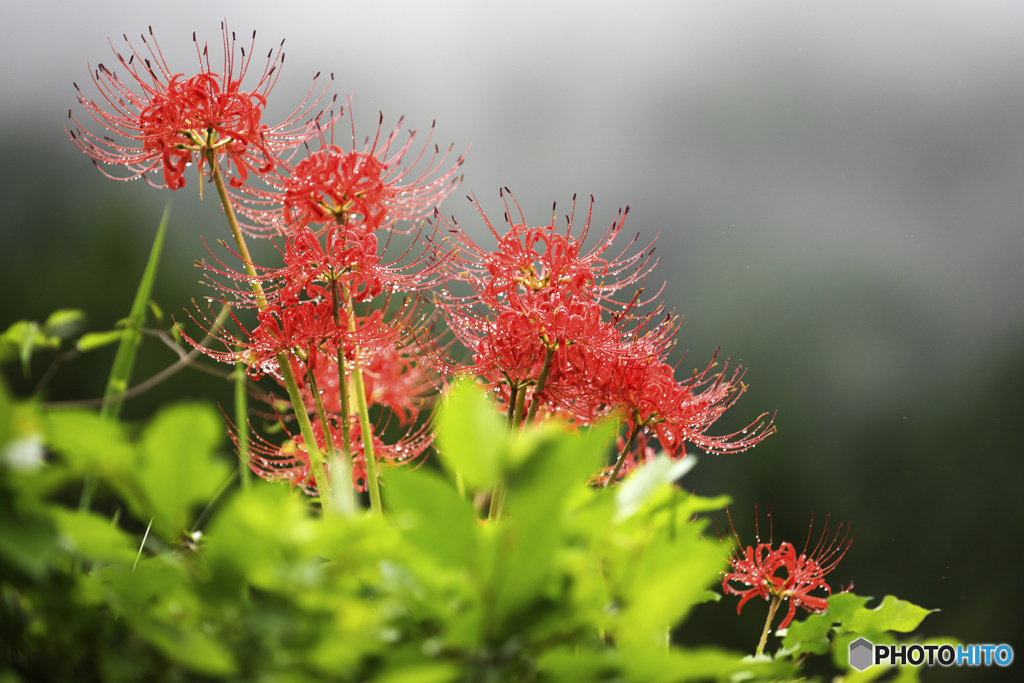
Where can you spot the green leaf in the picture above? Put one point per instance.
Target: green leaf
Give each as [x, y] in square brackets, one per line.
[124, 361]
[158, 313]
[555, 464]
[265, 536]
[96, 340]
[189, 647]
[177, 468]
[471, 436]
[572, 666]
[64, 323]
[89, 444]
[670, 577]
[892, 615]
[433, 516]
[657, 665]
[421, 673]
[812, 634]
[647, 480]
[94, 537]
[28, 543]
[19, 340]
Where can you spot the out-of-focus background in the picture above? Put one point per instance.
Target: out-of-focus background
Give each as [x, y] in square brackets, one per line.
[839, 190]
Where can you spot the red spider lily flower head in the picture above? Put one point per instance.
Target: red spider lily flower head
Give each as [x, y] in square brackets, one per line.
[540, 300]
[371, 188]
[546, 262]
[290, 461]
[393, 377]
[683, 411]
[164, 121]
[783, 573]
[305, 309]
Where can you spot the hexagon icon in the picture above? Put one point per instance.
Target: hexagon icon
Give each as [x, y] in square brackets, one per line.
[861, 654]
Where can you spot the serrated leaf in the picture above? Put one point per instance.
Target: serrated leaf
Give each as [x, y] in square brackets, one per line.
[812, 634]
[892, 615]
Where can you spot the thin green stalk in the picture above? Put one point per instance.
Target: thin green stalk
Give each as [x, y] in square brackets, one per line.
[316, 461]
[367, 433]
[776, 601]
[362, 410]
[344, 501]
[305, 427]
[512, 398]
[542, 380]
[242, 424]
[517, 414]
[517, 399]
[497, 507]
[343, 400]
[622, 456]
[127, 349]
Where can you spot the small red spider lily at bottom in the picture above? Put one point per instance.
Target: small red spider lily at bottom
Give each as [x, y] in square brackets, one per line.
[784, 574]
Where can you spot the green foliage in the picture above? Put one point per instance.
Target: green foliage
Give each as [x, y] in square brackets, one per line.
[571, 584]
[22, 338]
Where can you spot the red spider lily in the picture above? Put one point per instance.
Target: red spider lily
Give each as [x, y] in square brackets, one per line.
[306, 305]
[542, 312]
[538, 300]
[683, 411]
[370, 188]
[290, 461]
[308, 332]
[542, 262]
[393, 377]
[784, 574]
[167, 121]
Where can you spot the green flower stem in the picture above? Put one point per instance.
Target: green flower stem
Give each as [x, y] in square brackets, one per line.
[242, 424]
[366, 429]
[340, 471]
[541, 382]
[776, 601]
[622, 456]
[343, 400]
[517, 399]
[305, 427]
[367, 432]
[512, 398]
[346, 410]
[517, 414]
[127, 349]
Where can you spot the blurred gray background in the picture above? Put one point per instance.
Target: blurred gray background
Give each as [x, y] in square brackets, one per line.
[838, 189]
